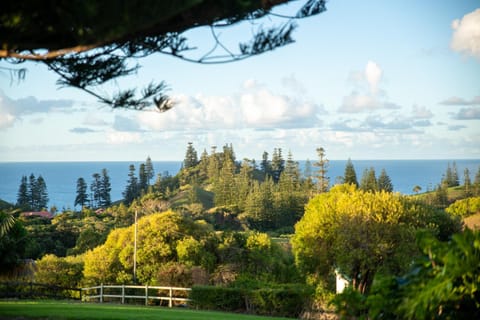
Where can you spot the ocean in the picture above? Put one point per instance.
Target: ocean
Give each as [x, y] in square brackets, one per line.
[61, 177]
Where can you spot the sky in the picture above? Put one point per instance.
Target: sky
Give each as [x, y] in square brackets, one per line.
[364, 80]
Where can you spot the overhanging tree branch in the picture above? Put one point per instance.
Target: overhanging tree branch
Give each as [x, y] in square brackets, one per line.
[89, 43]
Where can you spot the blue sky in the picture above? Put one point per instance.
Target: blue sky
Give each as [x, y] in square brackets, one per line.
[365, 80]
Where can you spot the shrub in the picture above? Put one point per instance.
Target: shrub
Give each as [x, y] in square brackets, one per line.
[284, 300]
[217, 298]
[464, 207]
[442, 284]
[59, 271]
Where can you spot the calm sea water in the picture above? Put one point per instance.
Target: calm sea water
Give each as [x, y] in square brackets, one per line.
[61, 177]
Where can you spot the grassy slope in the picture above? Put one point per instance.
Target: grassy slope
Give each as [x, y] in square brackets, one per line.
[54, 310]
[4, 205]
[203, 196]
[453, 193]
[473, 221]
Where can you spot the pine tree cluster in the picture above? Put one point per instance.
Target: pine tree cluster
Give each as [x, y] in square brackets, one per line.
[100, 191]
[32, 193]
[136, 186]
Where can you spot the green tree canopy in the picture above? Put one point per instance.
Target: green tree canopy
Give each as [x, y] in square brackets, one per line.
[158, 237]
[442, 283]
[13, 238]
[362, 233]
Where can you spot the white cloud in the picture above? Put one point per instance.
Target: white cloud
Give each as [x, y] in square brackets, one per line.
[125, 124]
[254, 106]
[394, 122]
[468, 114]
[359, 102]
[7, 117]
[292, 83]
[373, 74]
[456, 101]
[466, 35]
[456, 127]
[94, 120]
[82, 130]
[368, 96]
[122, 137]
[421, 113]
[12, 110]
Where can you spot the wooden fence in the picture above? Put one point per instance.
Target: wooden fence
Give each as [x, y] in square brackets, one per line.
[123, 293]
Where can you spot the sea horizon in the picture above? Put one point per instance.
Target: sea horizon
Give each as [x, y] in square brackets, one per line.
[301, 160]
[61, 176]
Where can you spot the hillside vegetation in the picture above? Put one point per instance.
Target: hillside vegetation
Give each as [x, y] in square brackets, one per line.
[259, 237]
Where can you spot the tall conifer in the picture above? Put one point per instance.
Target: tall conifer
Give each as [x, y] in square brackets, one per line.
[191, 158]
[142, 178]
[322, 165]
[42, 193]
[467, 185]
[22, 195]
[149, 170]
[96, 189]
[131, 190]
[33, 192]
[368, 181]
[350, 176]
[105, 188]
[265, 165]
[384, 182]
[277, 164]
[82, 197]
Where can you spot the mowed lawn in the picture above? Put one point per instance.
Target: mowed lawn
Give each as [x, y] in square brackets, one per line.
[54, 310]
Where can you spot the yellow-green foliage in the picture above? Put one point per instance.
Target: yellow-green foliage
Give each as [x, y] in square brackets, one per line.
[159, 236]
[361, 233]
[464, 207]
[59, 271]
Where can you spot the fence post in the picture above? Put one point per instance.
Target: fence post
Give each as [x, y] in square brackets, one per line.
[101, 293]
[170, 304]
[123, 293]
[146, 295]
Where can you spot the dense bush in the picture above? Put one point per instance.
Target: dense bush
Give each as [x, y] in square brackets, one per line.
[282, 300]
[464, 207]
[59, 271]
[441, 284]
[217, 298]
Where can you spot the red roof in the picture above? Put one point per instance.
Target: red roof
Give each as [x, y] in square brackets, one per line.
[43, 214]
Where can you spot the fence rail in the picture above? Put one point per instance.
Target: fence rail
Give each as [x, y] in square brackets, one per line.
[124, 292]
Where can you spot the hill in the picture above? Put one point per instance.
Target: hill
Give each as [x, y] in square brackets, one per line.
[473, 221]
[4, 205]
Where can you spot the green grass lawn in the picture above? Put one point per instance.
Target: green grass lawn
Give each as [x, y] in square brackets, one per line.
[55, 310]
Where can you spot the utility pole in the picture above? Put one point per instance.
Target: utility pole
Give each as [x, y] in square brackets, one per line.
[135, 251]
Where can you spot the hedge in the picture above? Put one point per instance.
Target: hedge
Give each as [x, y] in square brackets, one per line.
[284, 301]
[217, 298]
